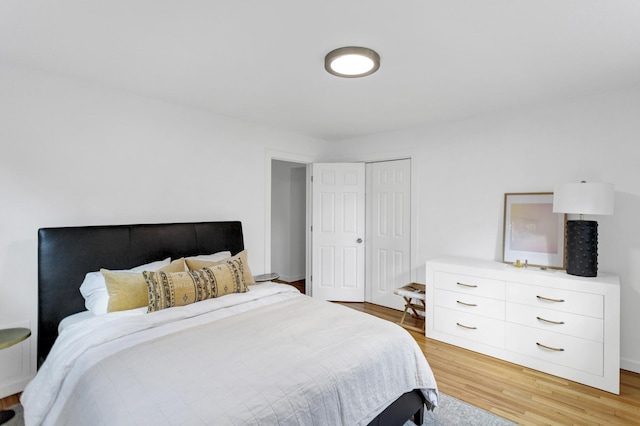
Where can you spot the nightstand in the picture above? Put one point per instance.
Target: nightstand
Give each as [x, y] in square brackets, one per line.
[266, 277]
[10, 337]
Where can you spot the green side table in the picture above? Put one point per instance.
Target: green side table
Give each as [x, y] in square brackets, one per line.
[9, 337]
[266, 277]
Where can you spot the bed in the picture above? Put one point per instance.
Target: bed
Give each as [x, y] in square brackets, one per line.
[240, 358]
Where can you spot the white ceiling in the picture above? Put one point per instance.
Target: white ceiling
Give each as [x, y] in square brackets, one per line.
[262, 60]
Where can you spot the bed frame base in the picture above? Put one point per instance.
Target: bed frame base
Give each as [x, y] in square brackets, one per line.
[410, 406]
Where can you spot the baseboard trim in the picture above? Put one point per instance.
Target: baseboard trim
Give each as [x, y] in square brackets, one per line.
[630, 365]
[14, 387]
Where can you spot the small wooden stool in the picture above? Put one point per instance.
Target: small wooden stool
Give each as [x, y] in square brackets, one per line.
[414, 297]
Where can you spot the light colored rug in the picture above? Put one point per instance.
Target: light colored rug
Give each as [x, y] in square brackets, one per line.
[450, 412]
[18, 420]
[454, 412]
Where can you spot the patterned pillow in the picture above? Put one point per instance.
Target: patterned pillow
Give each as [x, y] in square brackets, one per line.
[238, 262]
[128, 290]
[166, 289]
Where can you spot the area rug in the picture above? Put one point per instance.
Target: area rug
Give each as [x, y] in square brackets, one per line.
[18, 419]
[454, 412]
[450, 412]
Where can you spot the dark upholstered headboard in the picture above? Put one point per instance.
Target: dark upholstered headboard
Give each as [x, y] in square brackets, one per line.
[65, 255]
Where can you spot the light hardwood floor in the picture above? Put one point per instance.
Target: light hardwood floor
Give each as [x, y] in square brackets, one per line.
[519, 394]
[9, 401]
[522, 395]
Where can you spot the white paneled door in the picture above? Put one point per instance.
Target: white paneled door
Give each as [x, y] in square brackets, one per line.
[389, 231]
[338, 231]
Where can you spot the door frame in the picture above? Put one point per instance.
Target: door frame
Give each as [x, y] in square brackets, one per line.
[306, 159]
[292, 158]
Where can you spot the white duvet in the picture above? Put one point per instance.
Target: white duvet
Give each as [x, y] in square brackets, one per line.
[267, 357]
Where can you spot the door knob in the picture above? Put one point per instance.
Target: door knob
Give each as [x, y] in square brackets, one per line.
[359, 241]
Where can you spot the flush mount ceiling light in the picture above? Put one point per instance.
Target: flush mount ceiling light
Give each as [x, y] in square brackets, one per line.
[352, 62]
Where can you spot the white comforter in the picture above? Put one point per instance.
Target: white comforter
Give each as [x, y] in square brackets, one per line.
[267, 357]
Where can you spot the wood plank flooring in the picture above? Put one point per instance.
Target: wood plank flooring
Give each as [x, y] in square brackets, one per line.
[522, 395]
[519, 394]
[9, 401]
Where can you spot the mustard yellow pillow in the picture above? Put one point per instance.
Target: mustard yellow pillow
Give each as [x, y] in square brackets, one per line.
[128, 290]
[167, 289]
[238, 263]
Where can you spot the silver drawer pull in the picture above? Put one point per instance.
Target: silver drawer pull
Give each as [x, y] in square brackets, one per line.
[467, 326]
[550, 348]
[549, 299]
[550, 321]
[467, 285]
[465, 303]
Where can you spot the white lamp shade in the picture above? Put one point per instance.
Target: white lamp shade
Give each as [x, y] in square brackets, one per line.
[584, 198]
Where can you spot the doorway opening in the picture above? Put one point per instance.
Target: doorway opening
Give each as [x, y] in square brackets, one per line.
[288, 222]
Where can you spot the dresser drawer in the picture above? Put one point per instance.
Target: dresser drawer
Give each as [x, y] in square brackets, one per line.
[473, 327]
[470, 303]
[470, 285]
[555, 299]
[578, 354]
[556, 321]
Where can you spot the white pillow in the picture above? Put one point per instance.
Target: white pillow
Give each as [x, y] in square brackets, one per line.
[215, 257]
[94, 288]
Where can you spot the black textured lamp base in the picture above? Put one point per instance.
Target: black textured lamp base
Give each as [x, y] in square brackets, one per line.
[582, 248]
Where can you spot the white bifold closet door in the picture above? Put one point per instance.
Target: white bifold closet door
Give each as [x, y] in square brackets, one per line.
[337, 232]
[388, 231]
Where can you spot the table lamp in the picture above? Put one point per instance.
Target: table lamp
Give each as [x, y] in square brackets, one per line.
[582, 235]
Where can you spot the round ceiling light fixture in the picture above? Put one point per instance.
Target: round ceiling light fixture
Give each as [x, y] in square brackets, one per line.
[352, 62]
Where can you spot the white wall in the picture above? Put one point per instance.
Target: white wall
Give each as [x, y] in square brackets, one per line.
[288, 220]
[75, 154]
[463, 169]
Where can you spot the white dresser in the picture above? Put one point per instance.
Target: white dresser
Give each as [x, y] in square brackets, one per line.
[549, 321]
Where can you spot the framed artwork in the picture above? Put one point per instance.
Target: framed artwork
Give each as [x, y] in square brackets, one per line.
[533, 233]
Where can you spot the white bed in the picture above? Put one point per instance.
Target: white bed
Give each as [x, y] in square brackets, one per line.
[276, 357]
[265, 356]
